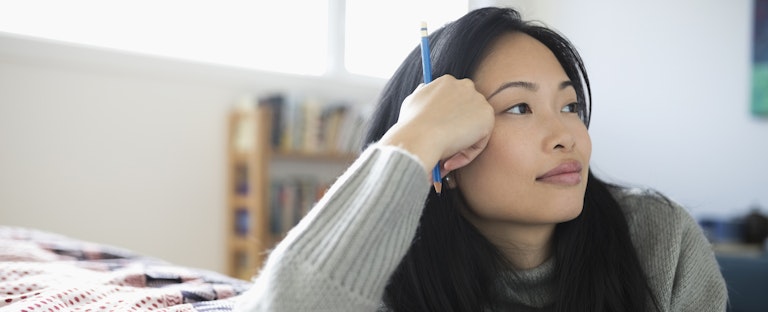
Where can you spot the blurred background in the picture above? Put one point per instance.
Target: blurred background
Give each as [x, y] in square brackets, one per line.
[113, 114]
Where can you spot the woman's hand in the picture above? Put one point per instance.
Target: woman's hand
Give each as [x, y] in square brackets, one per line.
[445, 120]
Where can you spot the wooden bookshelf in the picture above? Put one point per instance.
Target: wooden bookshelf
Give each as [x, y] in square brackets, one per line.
[257, 216]
[246, 184]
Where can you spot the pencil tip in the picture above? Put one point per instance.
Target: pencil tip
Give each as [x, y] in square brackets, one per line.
[438, 187]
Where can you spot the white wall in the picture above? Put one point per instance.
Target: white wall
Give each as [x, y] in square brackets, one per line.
[126, 149]
[671, 93]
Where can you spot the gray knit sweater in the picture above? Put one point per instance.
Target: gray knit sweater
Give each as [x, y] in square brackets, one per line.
[342, 253]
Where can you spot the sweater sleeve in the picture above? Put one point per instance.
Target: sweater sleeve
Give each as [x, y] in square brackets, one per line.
[340, 256]
[698, 283]
[679, 263]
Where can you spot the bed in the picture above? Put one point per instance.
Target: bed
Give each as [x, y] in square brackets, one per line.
[42, 271]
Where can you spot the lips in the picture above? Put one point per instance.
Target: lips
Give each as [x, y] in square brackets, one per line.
[567, 173]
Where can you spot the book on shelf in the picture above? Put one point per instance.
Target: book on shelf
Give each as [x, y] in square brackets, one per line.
[291, 199]
[241, 179]
[242, 222]
[243, 129]
[275, 102]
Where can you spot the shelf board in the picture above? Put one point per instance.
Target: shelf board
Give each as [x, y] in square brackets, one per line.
[239, 242]
[240, 201]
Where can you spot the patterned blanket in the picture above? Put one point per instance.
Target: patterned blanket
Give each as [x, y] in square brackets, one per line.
[41, 271]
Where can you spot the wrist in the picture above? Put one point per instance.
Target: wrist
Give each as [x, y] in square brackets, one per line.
[415, 144]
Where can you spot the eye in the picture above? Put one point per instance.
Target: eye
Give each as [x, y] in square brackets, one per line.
[570, 108]
[519, 109]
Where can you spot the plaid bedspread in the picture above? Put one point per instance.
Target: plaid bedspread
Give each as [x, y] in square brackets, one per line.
[42, 271]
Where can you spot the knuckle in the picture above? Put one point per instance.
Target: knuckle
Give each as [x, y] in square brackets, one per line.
[466, 82]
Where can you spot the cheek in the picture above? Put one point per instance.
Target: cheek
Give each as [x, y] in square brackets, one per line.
[502, 168]
[504, 152]
[584, 143]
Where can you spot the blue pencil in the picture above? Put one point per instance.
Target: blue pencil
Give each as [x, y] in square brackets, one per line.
[426, 66]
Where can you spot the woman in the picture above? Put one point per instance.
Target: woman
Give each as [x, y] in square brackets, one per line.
[521, 224]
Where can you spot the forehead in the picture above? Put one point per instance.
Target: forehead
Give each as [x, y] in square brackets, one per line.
[517, 57]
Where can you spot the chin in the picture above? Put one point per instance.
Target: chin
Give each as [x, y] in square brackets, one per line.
[571, 214]
[565, 210]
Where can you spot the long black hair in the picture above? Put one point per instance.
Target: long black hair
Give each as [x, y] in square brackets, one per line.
[450, 266]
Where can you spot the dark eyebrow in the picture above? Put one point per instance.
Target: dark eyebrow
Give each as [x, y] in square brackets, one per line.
[526, 85]
[566, 84]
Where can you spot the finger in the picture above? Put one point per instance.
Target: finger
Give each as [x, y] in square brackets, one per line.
[461, 159]
[457, 161]
[465, 156]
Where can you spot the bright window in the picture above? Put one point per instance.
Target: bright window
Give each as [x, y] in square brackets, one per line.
[286, 36]
[274, 35]
[379, 34]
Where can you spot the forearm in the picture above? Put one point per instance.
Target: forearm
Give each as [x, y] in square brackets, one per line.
[342, 253]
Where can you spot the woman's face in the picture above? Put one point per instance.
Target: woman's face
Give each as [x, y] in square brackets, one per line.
[534, 168]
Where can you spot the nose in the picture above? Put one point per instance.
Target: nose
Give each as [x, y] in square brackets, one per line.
[558, 137]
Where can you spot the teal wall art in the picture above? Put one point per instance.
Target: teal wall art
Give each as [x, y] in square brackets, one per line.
[760, 60]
